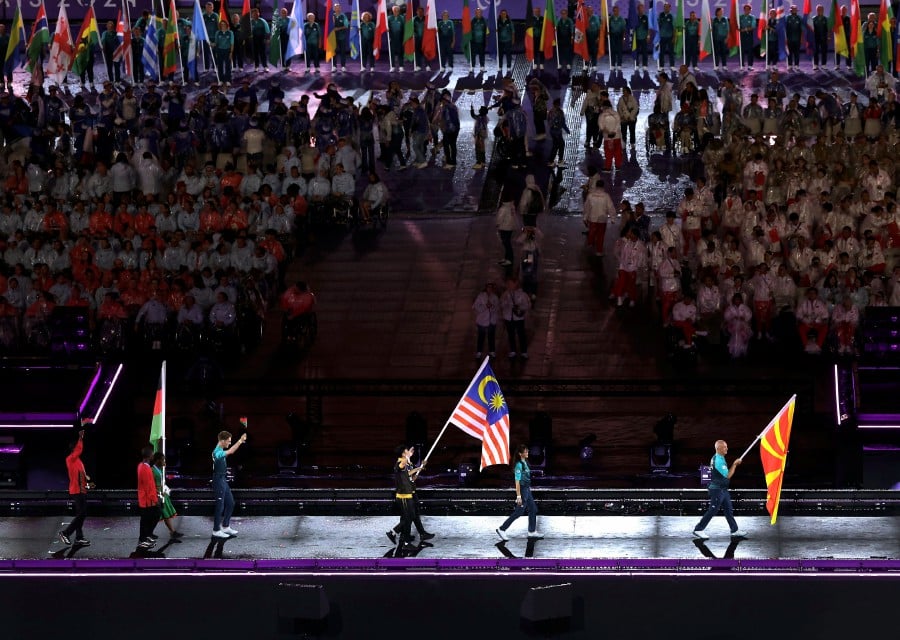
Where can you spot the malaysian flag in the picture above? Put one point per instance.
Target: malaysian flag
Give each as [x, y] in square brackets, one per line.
[483, 414]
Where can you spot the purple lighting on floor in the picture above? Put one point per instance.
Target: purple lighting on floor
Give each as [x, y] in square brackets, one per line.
[90, 391]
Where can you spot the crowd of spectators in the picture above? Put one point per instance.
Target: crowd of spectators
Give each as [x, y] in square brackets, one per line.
[791, 232]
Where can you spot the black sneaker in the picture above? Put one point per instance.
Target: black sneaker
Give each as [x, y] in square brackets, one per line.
[64, 538]
[83, 542]
[426, 535]
[177, 534]
[145, 544]
[154, 536]
[392, 536]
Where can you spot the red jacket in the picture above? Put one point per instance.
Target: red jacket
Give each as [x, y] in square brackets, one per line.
[147, 496]
[77, 476]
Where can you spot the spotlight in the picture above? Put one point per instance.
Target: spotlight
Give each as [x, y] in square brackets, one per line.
[288, 458]
[660, 458]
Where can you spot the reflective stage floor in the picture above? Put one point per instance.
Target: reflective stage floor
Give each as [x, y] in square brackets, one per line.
[465, 537]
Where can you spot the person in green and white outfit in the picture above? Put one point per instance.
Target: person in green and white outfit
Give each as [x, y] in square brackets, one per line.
[223, 47]
[167, 512]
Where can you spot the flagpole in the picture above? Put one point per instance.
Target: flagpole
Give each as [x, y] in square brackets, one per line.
[556, 40]
[768, 426]
[738, 26]
[102, 52]
[608, 38]
[496, 34]
[388, 28]
[447, 424]
[162, 405]
[358, 34]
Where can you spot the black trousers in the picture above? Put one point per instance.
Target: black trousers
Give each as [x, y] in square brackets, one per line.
[449, 143]
[260, 53]
[820, 50]
[79, 501]
[515, 329]
[412, 506]
[149, 518]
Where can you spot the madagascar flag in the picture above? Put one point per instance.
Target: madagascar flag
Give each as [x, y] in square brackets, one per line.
[467, 30]
[529, 32]
[548, 32]
[158, 425]
[773, 450]
[836, 24]
[409, 33]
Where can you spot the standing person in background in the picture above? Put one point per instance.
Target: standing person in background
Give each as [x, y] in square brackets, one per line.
[446, 39]
[514, 306]
[628, 109]
[719, 498]
[167, 509]
[341, 26]
[487, 312]
[395, 38]
[793, 29]
[312, 33]
[479, 39]
[259, 34]
[148, 498]
[367, 41]
[592, 35]
[598, 212]
[617, 28]
[720, 38]
[565, 40]
[110, 42]
[223, 49]
[506, 38]
[524, 499]
[556, 120]
[224, 499]
[506, 225]
[537, 24]
[820, 38]
[242, 46]
[78, 487]
[747, 26]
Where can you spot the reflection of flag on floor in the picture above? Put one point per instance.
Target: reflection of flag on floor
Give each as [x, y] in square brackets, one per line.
[773, 450]
[483, 414]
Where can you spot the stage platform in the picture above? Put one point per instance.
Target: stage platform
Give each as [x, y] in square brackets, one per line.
[339, 576]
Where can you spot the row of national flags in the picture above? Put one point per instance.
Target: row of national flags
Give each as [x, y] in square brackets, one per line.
[66, 53]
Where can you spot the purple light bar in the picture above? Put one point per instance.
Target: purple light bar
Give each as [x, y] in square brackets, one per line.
[90, 391]
[647, 566]
[13, 449]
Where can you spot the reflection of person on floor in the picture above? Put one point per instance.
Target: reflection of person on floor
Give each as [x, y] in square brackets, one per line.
[524, 499]
[148, 499]
[78, 487]
[221, 490]
[719, 498]
[167, 509]
[405, 475]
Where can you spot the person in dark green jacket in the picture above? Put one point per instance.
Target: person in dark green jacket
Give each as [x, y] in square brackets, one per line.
[617, 28]
[720, 38]
[870, 45]
[446, 39]
[747, 26]
[642, 38]
[692, 40]
[340, 23]
[259, 34]
[109, 42]
[395, 38]
[223, 47]
[593, 35]
[367, 41]
[565, 39]
[793, 31]
[313, 34]
[666, 36]
[479, 38]
[537, 24]
[506, 37]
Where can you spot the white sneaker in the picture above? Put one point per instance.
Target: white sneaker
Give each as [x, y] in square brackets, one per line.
[421, 165]
[739, 534]
[229, 531]
[427, 67]
[371, 69]
[344, 69]
[536, 535]
[700, 535]
[511, 354]
[502, 534]
[220, 533]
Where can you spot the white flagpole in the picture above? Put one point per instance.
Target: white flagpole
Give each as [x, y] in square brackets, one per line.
[162, 404]
[608, 38]
[358, 33]
[388, 34]
[768, 426]
[447, 424]
[496, 34]
[740, 37]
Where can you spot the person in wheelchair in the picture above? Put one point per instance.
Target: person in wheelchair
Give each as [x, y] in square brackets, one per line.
[299, 306]
[658, 129]
[685, 128]
[190, 323]
[374, 198]
[222, 319]
[343, 189]
[318, 195]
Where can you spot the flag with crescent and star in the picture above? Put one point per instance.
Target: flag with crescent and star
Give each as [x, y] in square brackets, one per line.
[483, 414]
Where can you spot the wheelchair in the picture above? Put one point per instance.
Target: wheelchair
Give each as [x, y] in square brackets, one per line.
[300, 332]
[112, 337]
[658, 137]
[685, 141]
[343, 211]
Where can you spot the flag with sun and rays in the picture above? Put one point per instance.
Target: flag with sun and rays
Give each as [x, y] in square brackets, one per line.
[773, 450]
[483, 414]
